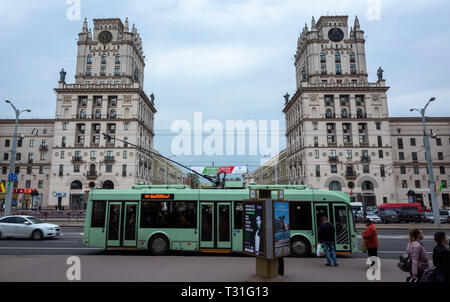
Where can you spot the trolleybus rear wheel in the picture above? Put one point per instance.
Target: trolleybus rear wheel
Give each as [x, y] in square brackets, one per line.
[158, 245]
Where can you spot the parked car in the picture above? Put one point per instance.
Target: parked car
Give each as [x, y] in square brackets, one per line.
[374, 218]
[389, 216]
[19, 226]
[358, 216]
[429, 217]
[410, 214]
[445, 216]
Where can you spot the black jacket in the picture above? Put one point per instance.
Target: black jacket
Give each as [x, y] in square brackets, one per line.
[441, 260]
[326, 232]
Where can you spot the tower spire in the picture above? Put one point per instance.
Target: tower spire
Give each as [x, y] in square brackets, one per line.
[126, 25]
[85, 29]
[356, 23]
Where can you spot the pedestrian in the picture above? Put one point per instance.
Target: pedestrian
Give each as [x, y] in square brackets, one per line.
[326, 238]
[441, 258]
[418, 254]
[370, 238]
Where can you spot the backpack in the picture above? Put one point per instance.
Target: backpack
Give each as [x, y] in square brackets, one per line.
[429, 275]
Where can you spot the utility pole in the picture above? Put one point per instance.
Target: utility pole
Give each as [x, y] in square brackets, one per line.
[12, 162]
[432, 181]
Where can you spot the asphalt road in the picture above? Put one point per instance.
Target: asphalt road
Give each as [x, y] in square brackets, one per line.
[392, 244]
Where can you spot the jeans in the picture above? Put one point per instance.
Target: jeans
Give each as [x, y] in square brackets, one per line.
[329, 248]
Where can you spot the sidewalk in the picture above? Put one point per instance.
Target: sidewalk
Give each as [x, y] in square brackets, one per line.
[187, 268]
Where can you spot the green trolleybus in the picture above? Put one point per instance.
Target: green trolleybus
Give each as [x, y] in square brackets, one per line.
[160, 218]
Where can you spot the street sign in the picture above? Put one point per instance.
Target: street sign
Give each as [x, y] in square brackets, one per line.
[12, 177]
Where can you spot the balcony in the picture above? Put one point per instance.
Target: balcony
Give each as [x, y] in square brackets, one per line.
[109, 159]
[364, 144]
[333, 159]
[365, 159]
[332, 144]
[43, 148]
[77, 159]
[348, 144]
[350, 175]
[91, 175]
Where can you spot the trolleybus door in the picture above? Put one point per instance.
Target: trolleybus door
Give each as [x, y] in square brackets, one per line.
[321, 210]
[224, 225]
[129, 224]
[113, 226]
[341, 226]
[207, 225]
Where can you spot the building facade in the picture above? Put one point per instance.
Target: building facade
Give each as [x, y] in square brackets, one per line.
[410, 166]
[266, 173]
[337, 125]
[33, 161]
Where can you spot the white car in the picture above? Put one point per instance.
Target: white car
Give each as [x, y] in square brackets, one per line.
[18, 226]
[374, 218]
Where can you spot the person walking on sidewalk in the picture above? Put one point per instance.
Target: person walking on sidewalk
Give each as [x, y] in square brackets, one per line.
[441, 258]
[370, 237]
[326, 238]
[417, 253]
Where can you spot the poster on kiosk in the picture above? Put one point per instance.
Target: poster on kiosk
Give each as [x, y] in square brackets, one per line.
[281, 225]
[254, 230]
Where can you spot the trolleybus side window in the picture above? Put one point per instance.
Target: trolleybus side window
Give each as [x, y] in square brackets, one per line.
[169, 214]
[301, 218]
[238, 207]
[98, 214]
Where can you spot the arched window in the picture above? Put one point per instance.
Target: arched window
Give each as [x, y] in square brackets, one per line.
[103, 59]
[352, 57]
[322, 57]
[337, 57]
[334, 186]
[89, 59]
[359, 113]
[367, 186]
[344, 113]
[83, 114]
[113, 114]
[108, 184]
[98, 113]
[92, 168]
[328, 113]
[76, 185]
[117, 59]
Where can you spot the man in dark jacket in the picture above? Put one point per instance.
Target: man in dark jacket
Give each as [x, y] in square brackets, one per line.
[441, 257]
[326, 238]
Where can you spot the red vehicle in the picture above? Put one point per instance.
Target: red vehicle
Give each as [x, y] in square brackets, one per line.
[399, 206]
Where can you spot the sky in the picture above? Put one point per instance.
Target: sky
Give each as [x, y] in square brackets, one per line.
[229, 60]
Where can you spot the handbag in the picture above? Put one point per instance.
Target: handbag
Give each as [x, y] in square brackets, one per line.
[405, 263]
[319, 250]
[363, 246]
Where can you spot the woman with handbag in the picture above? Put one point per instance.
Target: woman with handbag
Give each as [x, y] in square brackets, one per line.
[417, 253]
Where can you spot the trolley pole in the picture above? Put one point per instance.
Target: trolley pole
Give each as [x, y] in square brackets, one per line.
[432, 181]
[12, 161]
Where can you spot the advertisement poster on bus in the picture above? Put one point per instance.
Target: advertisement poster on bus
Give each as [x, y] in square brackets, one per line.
[281, 229]
[254, 236]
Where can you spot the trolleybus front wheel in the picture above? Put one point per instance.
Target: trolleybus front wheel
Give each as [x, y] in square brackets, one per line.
[300, 247]
[158, 245]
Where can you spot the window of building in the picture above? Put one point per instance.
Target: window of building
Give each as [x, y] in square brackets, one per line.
[417, 183]
[125, 154]
[316, 141]
[7, 142]
[438, 141]
[323, 58]
[113, 114]
[108, 168]
[333, 169]
[404, 184]
[382, 171]
[117, 59]
[88, 71]
[401, 156]
[400, 143]
[103, 61]
[416, 169]
[96, 139]
[442, 169]
[19, 143]
[28, 184]
[43, 156]
[378, 125]
[352, 68]
[93, 154]
[117, 71]
[344, 113]
[83, 114]
[414, 156]
[41, 169]
[413, 141]
[366, 168]
[29, 169]
[32, 142]
[402, 170]
[98, 113]
[4, 170]
[352, 57]
[18, 156]
[337, 57]
[76, 168]
[5, 156]
[80, 139]
[380, 153]
[316, 154]
[125, 126]
[40, 184]
[103, 71]
[338, 69]
[334, 186]
[124, 170]
[380, 141]
[348, 153]
[440, 156]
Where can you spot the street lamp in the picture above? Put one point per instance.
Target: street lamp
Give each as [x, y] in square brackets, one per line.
[12, 162]
[165, 169]
[432, 182]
